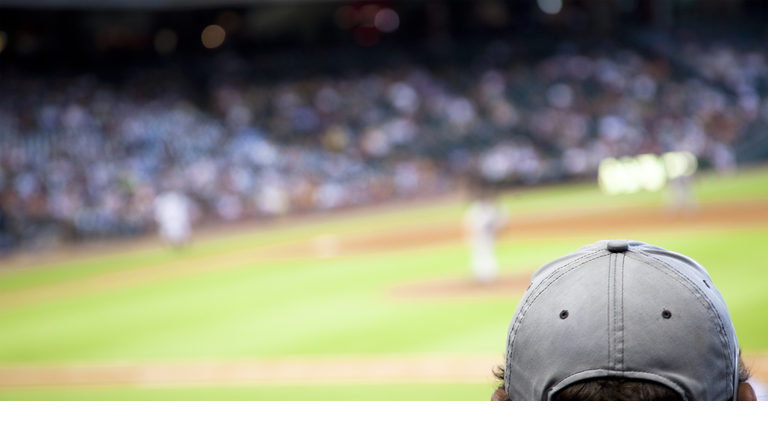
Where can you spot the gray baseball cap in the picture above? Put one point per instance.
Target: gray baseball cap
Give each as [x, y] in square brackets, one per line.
[622, 309]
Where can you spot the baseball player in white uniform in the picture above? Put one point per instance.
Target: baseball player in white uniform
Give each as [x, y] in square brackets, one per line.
[172, 214]
[482, 221]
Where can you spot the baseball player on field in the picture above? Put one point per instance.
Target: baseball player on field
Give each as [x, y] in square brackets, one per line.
[173, 217]
[482, 222]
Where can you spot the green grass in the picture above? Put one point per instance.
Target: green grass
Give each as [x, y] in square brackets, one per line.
[371, 392]
[338, 306]
[301, 307]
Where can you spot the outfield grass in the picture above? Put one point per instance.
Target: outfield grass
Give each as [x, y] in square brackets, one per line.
[369, 392]
[319, 307]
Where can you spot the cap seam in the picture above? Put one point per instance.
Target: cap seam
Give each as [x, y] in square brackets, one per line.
[610, 370]
[574, 263]
[706, 303]
[612, 308]
[608, 311]
[547, 280]
[712, 311]
[524, 309]
[623, 335]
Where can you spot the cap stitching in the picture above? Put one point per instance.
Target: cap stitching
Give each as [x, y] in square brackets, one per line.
[724, 340]
[526, 306]
[612, 302]
[702, 298]
[574, 263]
[706, 303]
[546, 280]
[623, 335]
[608, 310]
[609, 370]
[612, 323]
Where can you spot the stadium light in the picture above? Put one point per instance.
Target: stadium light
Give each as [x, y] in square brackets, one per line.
[213, 36]
[550, 7]
[386, 20]
[632, 176]
[679, 164]
[645, 172]
[653, 177]
[608, 176]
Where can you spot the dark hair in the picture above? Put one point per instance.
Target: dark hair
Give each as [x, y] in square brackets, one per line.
[618, 389]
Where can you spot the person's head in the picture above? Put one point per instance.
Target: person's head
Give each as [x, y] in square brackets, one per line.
[622, 320]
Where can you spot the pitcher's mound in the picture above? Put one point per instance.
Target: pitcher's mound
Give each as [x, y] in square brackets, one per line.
[463, 287]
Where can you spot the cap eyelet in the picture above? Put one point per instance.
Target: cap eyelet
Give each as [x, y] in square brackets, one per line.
[564, 314]
[666, 314]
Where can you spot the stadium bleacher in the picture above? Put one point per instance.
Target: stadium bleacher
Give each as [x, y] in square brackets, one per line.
[85, 149]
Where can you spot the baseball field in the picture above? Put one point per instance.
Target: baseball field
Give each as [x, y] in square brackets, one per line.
[364, 304]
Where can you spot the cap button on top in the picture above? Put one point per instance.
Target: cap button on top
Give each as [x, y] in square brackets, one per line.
[618, 246]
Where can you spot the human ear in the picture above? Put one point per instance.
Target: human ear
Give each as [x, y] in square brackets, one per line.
[746, 392]
[501, 395]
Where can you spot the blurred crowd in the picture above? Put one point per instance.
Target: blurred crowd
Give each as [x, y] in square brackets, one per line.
[84, 157]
